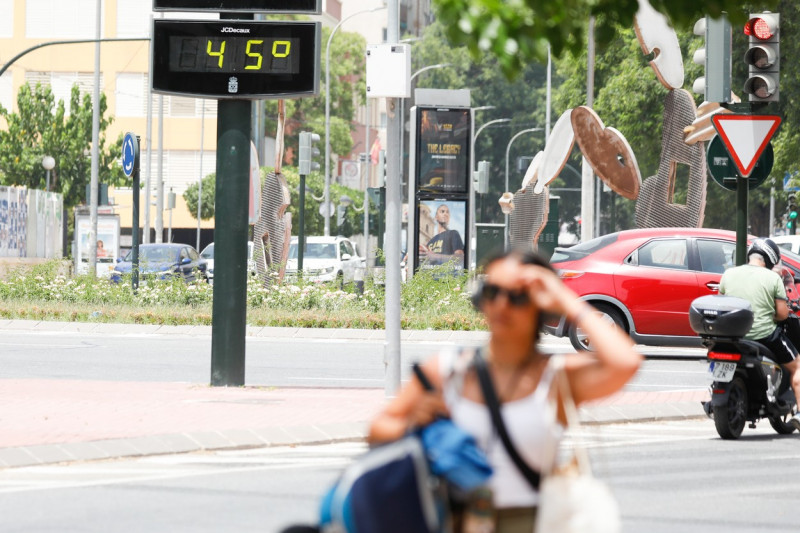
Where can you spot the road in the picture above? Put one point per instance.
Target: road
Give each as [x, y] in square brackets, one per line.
[269, 362]
[668, 477]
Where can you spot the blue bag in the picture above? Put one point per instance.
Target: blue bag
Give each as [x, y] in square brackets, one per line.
[401, 487]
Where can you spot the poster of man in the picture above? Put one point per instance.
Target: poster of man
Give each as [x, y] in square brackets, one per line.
[442, 225]
[443, 150]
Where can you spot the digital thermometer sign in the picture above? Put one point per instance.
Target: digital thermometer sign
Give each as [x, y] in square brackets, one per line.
[236, 59]
[249, 6]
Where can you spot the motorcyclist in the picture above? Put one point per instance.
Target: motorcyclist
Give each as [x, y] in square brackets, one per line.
[757, 283]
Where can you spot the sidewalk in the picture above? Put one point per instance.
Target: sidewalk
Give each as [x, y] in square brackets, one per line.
[53, 421]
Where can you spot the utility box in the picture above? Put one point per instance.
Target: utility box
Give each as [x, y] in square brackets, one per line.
[548, 240]
[491, 239]
[388, 71]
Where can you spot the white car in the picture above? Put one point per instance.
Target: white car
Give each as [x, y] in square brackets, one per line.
[208, 255]
[788, 242]
[325, 259]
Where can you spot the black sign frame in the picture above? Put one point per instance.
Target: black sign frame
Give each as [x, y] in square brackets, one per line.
[443, 150]
[309, 7]
[169, 77]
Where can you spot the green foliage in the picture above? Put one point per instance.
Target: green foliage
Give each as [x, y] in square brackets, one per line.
[42, 127]
[209, 195]
[429, 301]
[517, 32]
[346, 91]
[315, 188]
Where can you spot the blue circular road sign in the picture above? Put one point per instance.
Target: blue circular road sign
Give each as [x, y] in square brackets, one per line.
[130, 154]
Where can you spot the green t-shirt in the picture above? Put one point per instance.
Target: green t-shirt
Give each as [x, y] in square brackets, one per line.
[759, 286]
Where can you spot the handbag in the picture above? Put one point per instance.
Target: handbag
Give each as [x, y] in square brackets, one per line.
[571, 499]
[403, 486]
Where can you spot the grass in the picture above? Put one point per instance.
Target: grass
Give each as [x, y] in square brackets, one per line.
[430, 300]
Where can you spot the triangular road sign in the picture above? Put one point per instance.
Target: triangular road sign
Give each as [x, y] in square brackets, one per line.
[745, 137]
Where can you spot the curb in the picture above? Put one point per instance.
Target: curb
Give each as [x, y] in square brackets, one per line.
[208, 441]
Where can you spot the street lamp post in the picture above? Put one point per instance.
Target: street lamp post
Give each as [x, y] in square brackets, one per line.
[508, 150]
[49, 164]
[328, 115]
[474, 207]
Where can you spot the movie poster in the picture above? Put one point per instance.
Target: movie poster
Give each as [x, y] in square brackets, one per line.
[443, 150]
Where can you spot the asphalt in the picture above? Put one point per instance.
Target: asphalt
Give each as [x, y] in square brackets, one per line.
[60, 421]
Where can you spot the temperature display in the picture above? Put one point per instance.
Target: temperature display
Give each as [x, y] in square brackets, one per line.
[236, 59]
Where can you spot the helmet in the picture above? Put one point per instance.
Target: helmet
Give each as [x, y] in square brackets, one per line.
[767, 249]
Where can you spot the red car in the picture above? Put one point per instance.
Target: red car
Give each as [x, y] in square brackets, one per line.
[645, 279]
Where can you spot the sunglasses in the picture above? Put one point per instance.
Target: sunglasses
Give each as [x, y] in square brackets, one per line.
[519, 298]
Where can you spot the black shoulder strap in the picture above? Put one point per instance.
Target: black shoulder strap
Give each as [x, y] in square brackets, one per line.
[492, 402]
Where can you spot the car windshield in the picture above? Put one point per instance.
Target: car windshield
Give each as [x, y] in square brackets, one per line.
[208, 252]
[157, 254]
[314, 250]
[583, 249]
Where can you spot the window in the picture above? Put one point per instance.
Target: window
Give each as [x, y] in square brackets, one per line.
[130, 95]
[666, 253]
[57, 19]
[7, 20]
[61, 83]
[6, 91]
[133, 18]
[716, 256]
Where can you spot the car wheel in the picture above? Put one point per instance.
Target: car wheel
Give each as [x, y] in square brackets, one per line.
[579, 339]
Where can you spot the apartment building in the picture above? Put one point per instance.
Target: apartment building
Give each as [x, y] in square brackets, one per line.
[178, 134]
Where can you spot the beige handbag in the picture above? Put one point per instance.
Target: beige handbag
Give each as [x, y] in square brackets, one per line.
[571, 499]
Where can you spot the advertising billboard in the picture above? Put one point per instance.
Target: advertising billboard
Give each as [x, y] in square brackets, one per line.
[443, 145]
[442, 232]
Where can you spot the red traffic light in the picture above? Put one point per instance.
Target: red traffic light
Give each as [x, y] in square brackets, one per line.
[762, 28]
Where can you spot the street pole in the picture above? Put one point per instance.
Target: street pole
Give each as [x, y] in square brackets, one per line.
[741, 220]
[394, 209]
[508, 151]
[229, 307]
[587, 174]
[301, 231]
[327, 195]
[95, 145]
[200, 178]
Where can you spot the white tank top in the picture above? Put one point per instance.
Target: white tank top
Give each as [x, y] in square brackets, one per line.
[531, 424]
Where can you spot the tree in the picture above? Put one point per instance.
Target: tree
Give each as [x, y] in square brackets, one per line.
[517, 32]
[42, 127]
[347, 90]
[209, 196]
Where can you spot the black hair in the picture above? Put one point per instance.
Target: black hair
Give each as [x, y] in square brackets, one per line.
[525, 257]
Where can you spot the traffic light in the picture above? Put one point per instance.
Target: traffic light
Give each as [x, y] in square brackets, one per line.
[340, 212]
[308, 152]
[791, 214]
[763, 57]
[715, 57]
[482, 177]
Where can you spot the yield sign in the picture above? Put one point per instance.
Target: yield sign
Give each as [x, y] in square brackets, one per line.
[745, 137]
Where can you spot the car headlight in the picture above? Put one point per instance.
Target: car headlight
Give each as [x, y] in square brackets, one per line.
[328, 270]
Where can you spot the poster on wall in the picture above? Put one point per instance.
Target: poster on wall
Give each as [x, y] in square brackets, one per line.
[107, 243]
[443, 144]
[442, 225]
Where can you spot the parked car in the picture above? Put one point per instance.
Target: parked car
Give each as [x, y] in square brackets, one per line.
[788, 242]
[163, 261]
[325, 259]
[644, 280]
[208, 255]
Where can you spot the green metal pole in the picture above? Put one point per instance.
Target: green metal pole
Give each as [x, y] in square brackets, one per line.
[135, 223]
[741, 220]
[301, 231]
[229, 309]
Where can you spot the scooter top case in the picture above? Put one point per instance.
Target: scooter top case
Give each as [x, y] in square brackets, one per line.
[720, 316]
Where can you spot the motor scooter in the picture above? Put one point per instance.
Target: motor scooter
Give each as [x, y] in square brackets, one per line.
[747, 384]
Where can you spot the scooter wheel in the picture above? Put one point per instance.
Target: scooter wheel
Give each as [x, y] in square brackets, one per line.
[781, 424]
[730, 418]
